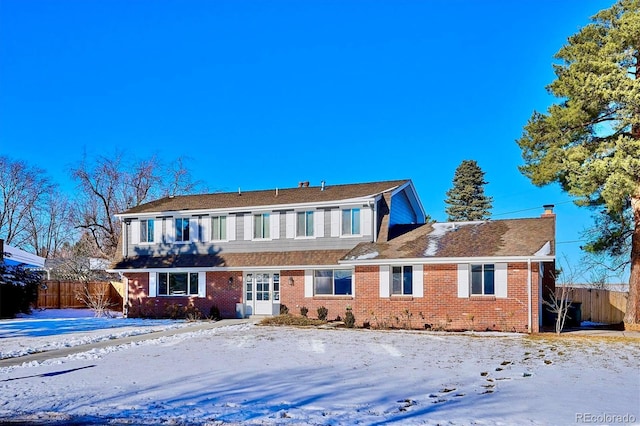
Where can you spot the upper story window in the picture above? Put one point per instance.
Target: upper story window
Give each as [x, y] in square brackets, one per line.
[304, 224]
[182, 229]
[261, 225]
[483, 279]
[219, 228]
[146, 231]
[402, 280]
[351, 222]
[332, 282]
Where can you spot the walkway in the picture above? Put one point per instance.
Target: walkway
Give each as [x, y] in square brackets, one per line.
[60, 353]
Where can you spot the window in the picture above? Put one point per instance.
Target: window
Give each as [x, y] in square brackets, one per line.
[261, 225]
[219, 228]
[351, 222]
[402, 280]
[177, 284]
[182, 229]
[146, 231]
[304, 224]
[276, 287]
[332, 282]
[483, 279]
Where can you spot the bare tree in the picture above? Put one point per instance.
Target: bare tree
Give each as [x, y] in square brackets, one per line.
[24, 190]
[96, 297]
[49, 225]
[559, 302]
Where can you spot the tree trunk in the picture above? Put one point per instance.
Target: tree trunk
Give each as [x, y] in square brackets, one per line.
[632, 316]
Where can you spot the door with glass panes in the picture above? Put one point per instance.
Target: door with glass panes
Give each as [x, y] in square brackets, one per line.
[262, 293]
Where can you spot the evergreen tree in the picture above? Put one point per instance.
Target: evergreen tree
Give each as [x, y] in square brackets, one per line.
[466, 199]
[589, 142]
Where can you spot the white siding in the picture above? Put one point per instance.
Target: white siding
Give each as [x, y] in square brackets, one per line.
[500, 280]
[318, 223]
[335, 222]
[274, 225]
[366, 221]
[194, 229]
[205, 228]
[231, 227]
[248, 226]
[308, 283]
[153, 285]
[171, 230]
[463, 280]
[135, 232]
[418, 281]
[202, 284]
[157, 231]
[290, 224]
[384, 281]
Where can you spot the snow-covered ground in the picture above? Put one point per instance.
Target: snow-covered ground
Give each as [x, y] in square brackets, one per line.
[249, 374]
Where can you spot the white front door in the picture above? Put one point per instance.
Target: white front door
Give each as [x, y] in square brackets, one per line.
[262, 293]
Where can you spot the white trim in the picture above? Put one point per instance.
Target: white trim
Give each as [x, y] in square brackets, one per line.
[318, 223]
[202, 284]
[290, 224]
[248, 227]
[274, 226]
[500, 280]
[205, 227]
[194, 229]
[231, 227]
[366, 221]
[418, 281]
[446, 260]
[171, 229]
[157, 231]
[463, 281]
[135, 232]
[335, 222]
[308, 283]
[383, 284]
[153, 284]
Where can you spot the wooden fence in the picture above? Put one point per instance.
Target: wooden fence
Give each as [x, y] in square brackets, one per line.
[603, 306]
[54, 294]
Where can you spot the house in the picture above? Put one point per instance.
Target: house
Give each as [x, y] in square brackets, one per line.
[364, 247]
[12, 256]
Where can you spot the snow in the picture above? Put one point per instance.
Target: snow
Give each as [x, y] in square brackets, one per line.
[250, 374]
[545, 250]
[371, 255]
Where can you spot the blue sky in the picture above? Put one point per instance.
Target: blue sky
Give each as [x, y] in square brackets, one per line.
[264, 94]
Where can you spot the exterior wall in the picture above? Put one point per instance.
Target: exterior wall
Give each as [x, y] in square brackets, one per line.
[220, 293]
[402, 212]
[439, 309]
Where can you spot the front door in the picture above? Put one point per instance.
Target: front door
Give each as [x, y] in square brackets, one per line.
[262, 293]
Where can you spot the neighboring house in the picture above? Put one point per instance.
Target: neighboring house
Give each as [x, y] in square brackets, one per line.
[12, 256]
[365, 247]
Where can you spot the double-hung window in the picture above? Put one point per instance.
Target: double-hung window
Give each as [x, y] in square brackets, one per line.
[332, 282]
[304, 224]
[261, 225]
[483, 279]
[182, 229]
[146, 231]
[177, 284]
[402, 280]
[351, 222]
[218, 228]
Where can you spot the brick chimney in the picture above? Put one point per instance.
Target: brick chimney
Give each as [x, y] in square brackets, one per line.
[548, 211]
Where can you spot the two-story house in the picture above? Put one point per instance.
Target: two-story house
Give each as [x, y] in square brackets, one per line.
[364, 246]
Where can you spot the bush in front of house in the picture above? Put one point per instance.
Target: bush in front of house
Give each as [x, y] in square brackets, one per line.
[214, 313]
[322, 313]
[18, 290]
[349, 319]
[304, 311]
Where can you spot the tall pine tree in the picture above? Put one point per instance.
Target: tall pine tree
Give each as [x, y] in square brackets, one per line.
[466, 199]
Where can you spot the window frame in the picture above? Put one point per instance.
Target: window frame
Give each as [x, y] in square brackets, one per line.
[485, 269]
[221, 227]
[308, 230]
[181, 230]
[265, 233]
[192, 283]
[352, 214]
[316, 272]
[147, 226]
[405, 274]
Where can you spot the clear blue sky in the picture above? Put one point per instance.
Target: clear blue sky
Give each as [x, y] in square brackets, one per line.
[264, 94]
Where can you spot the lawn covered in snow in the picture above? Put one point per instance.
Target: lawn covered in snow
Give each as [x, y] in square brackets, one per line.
[250, 374]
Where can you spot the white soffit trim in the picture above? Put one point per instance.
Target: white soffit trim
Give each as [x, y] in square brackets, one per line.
[444, 260]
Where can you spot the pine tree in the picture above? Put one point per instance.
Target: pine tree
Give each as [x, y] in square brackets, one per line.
[589, 141]
[466, 198]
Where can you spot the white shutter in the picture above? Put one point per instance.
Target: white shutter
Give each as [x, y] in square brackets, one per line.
[366, 221]
[205, 229]
[231, 227]
[384, 280]
[248, 226]
[500, 280]
[157, 231]
[202, 284]
[153, 285]
[308, 283]
[274, 224]
[335, 222]
[318, 223]
[463, 280]
[135, 232]
[290, 219]
[418, 281]
[194, 229]
[171, 229]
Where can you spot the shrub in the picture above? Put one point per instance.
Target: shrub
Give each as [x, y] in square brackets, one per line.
[192, 313]
[173, 310]
[18, 290]
[214, 313]
[283, 309]
[304, 311]
[290, 320]
[349, 319]
[322, 313]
